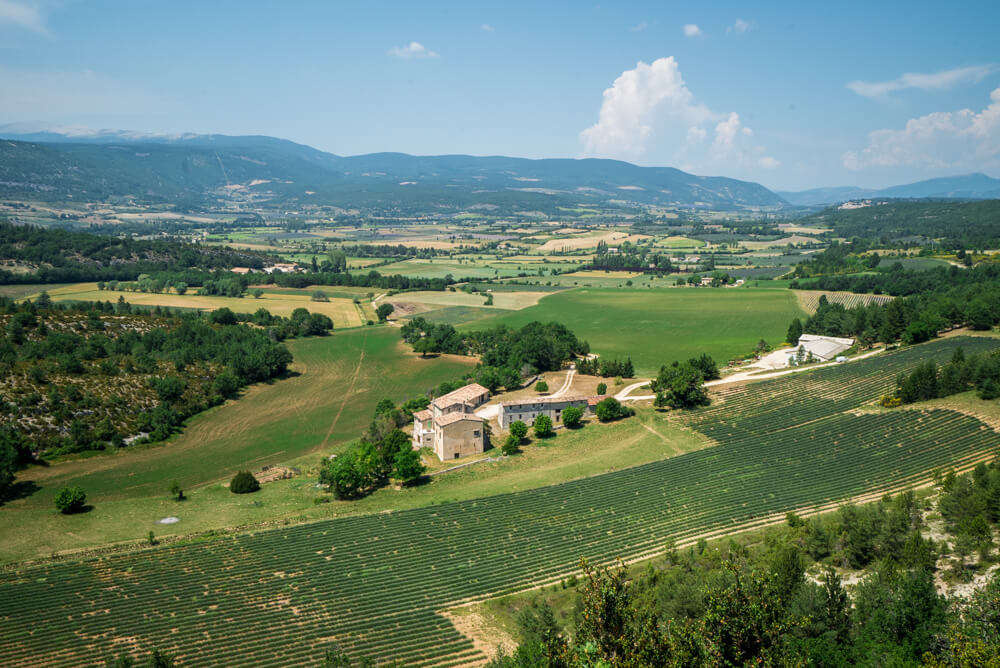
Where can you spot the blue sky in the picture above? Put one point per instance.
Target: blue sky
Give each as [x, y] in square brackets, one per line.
[793, 95]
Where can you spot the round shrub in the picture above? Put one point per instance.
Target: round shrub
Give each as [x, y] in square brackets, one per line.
[70, 500]
[541, 386]
[244, 483]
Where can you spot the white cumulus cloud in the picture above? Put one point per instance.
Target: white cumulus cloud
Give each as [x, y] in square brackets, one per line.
[411, 51]
[649, 113]
[639, 27]
[923, 81]
[692, 30]
[962, 139]
[741, 26]
[23, 15]
[486, 27]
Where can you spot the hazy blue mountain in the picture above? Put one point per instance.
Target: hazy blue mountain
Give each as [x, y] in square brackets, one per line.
[968, 186]
[61, 162]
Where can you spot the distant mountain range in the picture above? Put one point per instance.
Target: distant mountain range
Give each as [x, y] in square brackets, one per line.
[68, 162]
[969, 186]
[51, 162]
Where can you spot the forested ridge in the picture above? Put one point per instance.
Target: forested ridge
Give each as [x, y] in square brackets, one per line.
[101, 375]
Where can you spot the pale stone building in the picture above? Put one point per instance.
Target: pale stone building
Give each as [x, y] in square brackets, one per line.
[450, 426]
[528, 408]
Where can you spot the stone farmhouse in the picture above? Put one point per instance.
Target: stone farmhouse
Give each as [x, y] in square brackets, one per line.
[450, 425]
[528, 408]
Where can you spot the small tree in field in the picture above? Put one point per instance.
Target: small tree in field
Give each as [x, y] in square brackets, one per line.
[244, 483]
[541, 386]
[384, 311]
[176, 491]
[602, 388]
[518, 430]
[510, 445]
[543, 426]
[70, 500]
[571, 417]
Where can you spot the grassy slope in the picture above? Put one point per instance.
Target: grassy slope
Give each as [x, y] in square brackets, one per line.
[340, 379]
[656, 327]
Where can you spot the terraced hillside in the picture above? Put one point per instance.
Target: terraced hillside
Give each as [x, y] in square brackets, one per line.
[373, 583]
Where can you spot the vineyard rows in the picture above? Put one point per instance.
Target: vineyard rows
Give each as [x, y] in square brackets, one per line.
[809, 299]
[373, 583]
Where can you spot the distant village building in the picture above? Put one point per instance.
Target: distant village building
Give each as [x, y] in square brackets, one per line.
[706, 280]
[528, 408]
[450, 426]
[282, 268]
[241, 270]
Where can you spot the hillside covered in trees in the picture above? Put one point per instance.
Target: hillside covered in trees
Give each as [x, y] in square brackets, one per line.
[101, 375]
[61, 256]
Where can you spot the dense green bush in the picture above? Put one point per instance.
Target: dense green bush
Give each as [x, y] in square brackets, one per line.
[244, 483]
[70, 500]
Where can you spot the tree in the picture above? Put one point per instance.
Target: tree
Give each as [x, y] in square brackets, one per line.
[8, 465]
[602, 389]
[518, 430]
[176, 491]
[244, 482]
[424, 346]
[384, 311]
[704, 363]
[541, 386]
[611, 409]
[572, 416]
[407, 466]
[257, 293]
[681, 385]
[180, 288]
[511, 445]
[319, 296]
[543, 426]
[794, 332]
[70, 500]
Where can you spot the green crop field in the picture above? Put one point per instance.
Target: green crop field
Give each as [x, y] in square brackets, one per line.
[374, 583]
[656, 327]
[336, 382]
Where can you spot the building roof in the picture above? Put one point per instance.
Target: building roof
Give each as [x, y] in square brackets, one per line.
[423, 415]
[593, 401]
[463, 395]
[824, 347]
[541, 400]
[451, 418]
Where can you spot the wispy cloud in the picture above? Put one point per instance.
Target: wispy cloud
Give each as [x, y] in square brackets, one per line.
[412, 51]
[922, 81]
[639, 27]
[692, 30]
[486, 27]
[963, 139]
[741, 27]
[23, 15]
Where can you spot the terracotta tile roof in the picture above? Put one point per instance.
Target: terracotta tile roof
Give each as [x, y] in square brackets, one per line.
[593, 401]
[450, 418]
[423, 415]
[463, 395]
[541, 400]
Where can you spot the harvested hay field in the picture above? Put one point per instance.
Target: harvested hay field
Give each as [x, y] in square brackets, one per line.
[588, 241]
[343, 312]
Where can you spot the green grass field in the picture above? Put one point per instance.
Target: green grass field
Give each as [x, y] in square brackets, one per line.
[375, 583]
[656, 327]
[329, 399]
[29, 290]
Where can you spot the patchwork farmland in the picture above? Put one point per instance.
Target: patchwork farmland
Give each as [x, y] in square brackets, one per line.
[374, 584]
